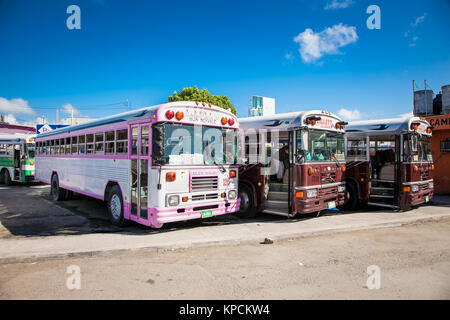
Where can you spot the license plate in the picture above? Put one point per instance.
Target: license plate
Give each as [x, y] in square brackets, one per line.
[427, 199]
[331, 205]
[207, 214]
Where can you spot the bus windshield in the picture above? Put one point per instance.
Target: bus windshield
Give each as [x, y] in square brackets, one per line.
[187, 144]
[30, 147]
[420, 148]
[322, 146]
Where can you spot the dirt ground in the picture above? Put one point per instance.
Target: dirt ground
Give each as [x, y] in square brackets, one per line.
[414, 262]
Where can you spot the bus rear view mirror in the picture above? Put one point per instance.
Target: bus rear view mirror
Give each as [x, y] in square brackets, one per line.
[158, 144]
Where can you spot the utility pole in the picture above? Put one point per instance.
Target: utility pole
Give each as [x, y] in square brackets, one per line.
[127, 104]
[414, 99]
[426, 94]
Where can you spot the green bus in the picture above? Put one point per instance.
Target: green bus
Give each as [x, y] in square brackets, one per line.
[17, 158]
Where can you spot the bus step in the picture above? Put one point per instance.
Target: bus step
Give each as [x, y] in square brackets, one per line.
[381, 189]
[278, 195]
[380, 196]
[277, 212]
[280, 187]
[385, 205]
[276, 205]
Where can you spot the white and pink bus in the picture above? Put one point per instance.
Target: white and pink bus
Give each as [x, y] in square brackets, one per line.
[171, 162]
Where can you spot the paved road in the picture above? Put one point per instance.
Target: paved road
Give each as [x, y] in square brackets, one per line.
[414, 262]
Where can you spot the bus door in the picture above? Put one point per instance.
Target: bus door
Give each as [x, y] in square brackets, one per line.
[291, 145]
[383, 153]
[139, 171]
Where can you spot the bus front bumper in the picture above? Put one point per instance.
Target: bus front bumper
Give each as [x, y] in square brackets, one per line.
[201, 210]
[420, 197]
[327, 198]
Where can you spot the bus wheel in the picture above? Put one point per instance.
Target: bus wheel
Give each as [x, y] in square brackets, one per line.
[6, 178]
[352, 197]
[58, 194]
[247, 209]
[115, 207]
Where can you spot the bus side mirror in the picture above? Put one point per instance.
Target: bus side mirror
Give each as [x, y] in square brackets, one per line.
[300, 155]
[157, 144]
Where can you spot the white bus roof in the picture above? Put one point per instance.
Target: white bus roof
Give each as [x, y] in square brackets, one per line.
[286, 121]
[386, 127]
[128, 116]
[15, 137]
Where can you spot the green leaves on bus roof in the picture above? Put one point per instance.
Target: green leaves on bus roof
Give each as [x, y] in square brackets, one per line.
[195, 94]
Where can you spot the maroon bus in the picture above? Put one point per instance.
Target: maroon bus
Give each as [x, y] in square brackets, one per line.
[294, 163]
[389, 163]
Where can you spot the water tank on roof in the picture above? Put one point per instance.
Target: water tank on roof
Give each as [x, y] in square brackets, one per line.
[446, 99]
[423, 102]
[437, 104]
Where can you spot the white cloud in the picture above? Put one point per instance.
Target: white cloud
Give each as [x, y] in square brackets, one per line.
[338, 4]
[349, 114]
[15, 106]
[314, 45]
[419, 20]
[9, 118]
[67, 108]
[289, 56]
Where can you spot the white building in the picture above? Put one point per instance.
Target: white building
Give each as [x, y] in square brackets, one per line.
[261, 106]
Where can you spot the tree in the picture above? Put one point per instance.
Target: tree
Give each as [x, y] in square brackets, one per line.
[195, 94]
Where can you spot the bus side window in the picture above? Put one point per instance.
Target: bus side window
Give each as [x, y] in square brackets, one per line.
[109, 145]
[74, 145]
[122, 141]
[61, 145]
[67, 148]
[89, 143]
[81, 144]
[99, 141]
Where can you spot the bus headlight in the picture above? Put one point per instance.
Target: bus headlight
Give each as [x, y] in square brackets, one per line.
[173, 200]
[430, 185]
[414, 188]
[232, 194]
[311, 193]
[341, 188]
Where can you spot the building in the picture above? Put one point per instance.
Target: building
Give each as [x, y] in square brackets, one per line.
[261, 106]
[440, 145]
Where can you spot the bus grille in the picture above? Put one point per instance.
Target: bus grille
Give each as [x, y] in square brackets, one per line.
[204, 183]
[327, 191]
[424, 175]
[328, 177]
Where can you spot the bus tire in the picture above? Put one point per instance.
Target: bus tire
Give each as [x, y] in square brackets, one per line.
[58, 193]
[352, 197]
[68, 195]
[6, 177]
[247, 208]
[115, 207]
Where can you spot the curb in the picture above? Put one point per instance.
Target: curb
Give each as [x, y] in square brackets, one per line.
[228, 242]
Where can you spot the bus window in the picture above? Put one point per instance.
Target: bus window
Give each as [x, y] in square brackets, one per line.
[74, 145]
[144, 141]
[134, 140]
[67, 146]
[81, 144]
[109, 145]
[99, 141]
[89, 143]
[121, 141]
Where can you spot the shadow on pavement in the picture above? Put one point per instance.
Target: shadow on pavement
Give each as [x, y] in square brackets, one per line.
[27, 210]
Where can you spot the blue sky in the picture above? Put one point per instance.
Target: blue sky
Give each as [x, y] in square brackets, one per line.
[144, 50]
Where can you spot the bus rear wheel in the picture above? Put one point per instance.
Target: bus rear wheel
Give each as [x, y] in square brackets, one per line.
[247, 208]
[58, 193]
[6, 178]
[115, 207]
[352, 197]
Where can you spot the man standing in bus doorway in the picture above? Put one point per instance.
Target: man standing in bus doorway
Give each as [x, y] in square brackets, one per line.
[283, 162]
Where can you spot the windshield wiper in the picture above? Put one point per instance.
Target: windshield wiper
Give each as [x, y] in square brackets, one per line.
[221, 167]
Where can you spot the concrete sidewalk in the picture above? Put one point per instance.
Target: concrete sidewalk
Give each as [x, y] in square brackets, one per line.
[54, 247]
